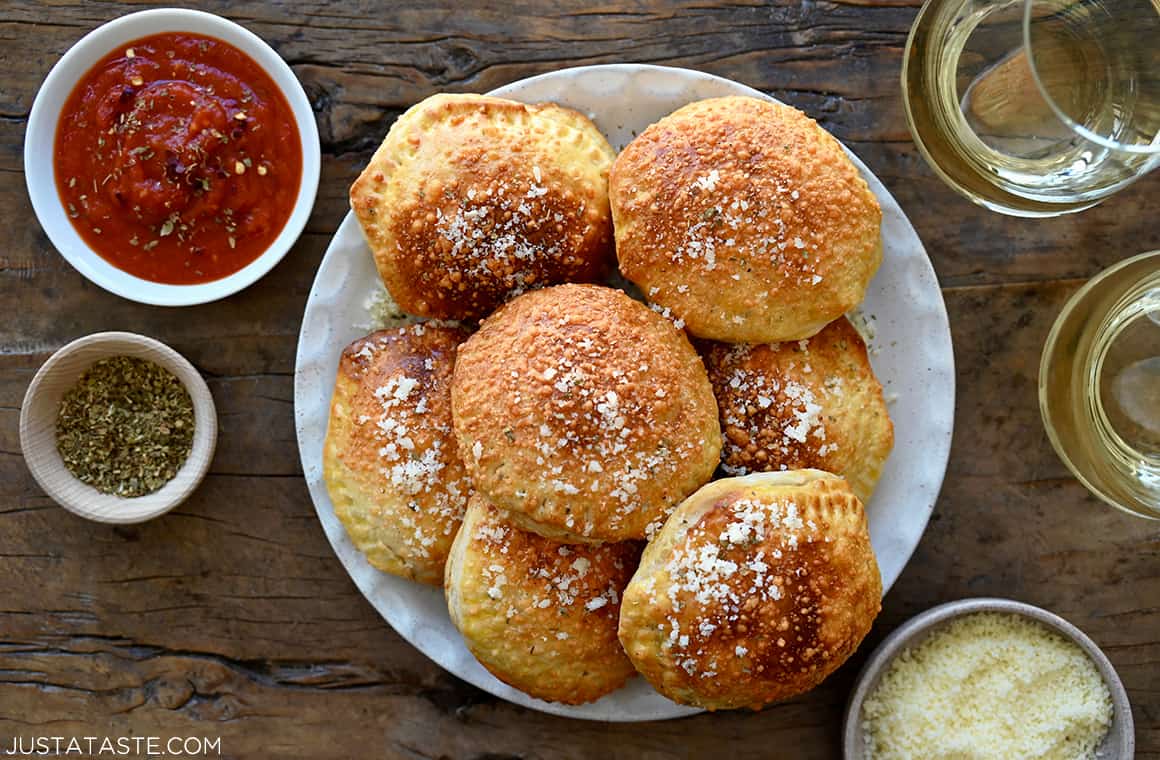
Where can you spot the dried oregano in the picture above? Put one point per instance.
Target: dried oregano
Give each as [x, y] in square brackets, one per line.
[126, 427]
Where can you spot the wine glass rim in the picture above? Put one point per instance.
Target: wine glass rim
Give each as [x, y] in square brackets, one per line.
[1050, 345]
[1152, 148]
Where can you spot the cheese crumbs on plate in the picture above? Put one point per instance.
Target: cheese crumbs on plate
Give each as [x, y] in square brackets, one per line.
[989, 686]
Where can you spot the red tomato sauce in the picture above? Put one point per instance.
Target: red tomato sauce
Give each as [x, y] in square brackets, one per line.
[178, 158]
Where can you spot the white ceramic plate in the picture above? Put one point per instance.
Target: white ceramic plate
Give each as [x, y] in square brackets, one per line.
[911, 353]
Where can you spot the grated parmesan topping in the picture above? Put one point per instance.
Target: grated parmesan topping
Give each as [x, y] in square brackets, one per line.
[505, 233]
[563, 579]
[773, 418]
[717, 578]
[413, 452]
[605, 419]
[760, 223]
[989, 686]
[667, 313]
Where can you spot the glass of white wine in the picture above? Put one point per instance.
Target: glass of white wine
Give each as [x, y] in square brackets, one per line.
[1035, 107]
[1099, 385]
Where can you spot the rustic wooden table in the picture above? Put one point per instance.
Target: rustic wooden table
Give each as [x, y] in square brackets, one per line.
[232, 618]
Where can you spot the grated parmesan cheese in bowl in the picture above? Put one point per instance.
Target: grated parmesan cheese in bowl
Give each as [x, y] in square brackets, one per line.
[984, 678]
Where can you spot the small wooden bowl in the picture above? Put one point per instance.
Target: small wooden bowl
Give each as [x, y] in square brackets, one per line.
[41, 406]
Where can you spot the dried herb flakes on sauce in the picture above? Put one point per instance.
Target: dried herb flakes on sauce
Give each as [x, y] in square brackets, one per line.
[126, 427]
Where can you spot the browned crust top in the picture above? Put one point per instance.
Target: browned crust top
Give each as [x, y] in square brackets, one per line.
[403, 392]
[746, 218]
[397, 434]
[540, 615]
[813, 403]
[757, 596]
[390, 460]
[473, 199]
[584, 410]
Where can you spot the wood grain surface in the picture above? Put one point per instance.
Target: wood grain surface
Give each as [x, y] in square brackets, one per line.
[230, 617]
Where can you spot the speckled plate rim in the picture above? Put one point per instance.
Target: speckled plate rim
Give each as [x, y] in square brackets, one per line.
[1120, 743]
[905, 297]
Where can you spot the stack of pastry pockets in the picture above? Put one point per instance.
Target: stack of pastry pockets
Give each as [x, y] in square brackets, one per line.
[523, 456]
